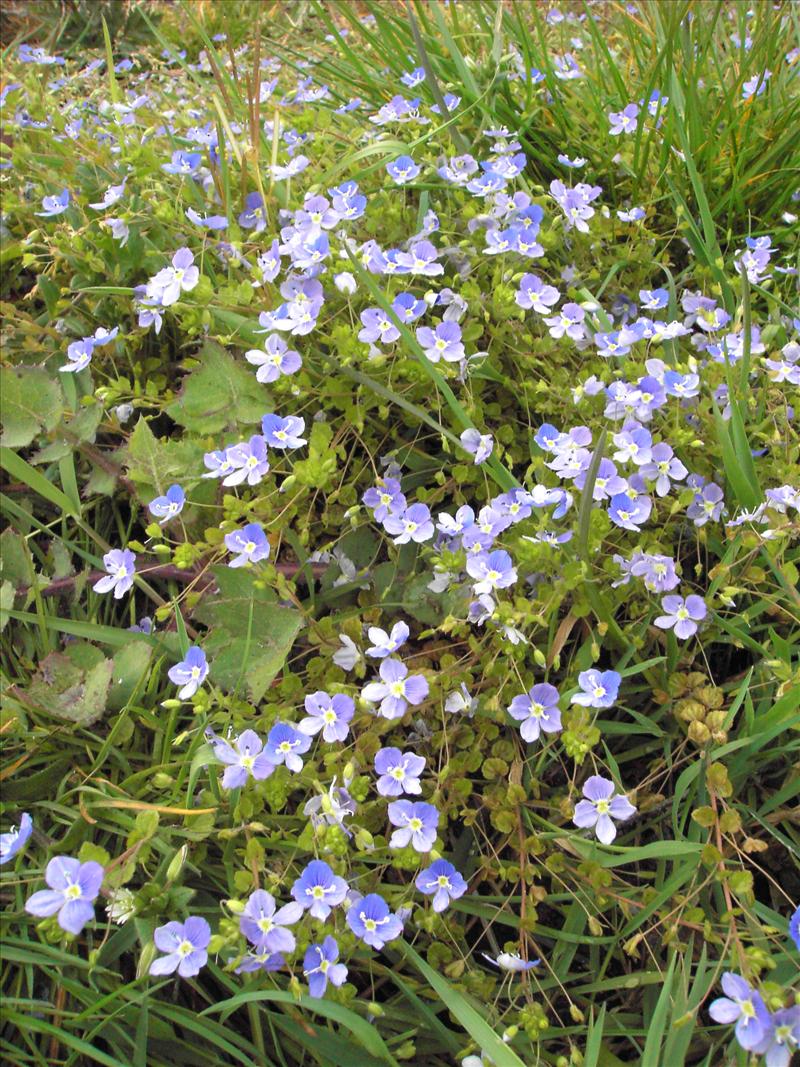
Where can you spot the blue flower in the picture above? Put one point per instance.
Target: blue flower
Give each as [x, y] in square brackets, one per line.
[183, 163]
[537, 710]
[442, 881]
[250, 544]
[249, 461]
[261, 961]
[79, 355]
[413, 78]
[756, 85]
[285, 745]
[396, 689]
[783, 1039]
[377, 327]
[54, 205]
[73, 889]
[384, 644]
[168, 506]
[332, 715]
[283, 433]
[185, 945]
[265, 927]
[416, 824]
[654, 299]
[794, 928]
[275, 359]
[210, 222]
[399, 772]
[491, 570]
[15, 839]
[402, 170]
[624, 121]
[534, 294]
[478, 444]
[121, 566]
[412, 524]
[510, 961]
[744, 1006]
[682, 616]
[320, 967]
[319, 890]
[630, 512]
[253, 216]
[599, 689]
[443, 342]
[111, 196]
[371, 919]
[181, 276]
[244, 758]
[190, 673]
[384, 499]
[601, 807]
[408, 307]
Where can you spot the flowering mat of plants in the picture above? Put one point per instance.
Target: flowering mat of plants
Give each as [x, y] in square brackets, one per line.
[401, 496]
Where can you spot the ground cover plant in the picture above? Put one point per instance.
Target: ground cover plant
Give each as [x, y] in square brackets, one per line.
[399, 597]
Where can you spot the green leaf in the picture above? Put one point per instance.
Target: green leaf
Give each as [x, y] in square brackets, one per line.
[30, 401]
[15, 563]
[81, 426]
[130, 667]
[222, 392]
[63, 689]
[250, 634]
[154, 465]
[6, 603]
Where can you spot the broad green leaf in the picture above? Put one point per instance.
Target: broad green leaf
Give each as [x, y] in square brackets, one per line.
[71, 431]
[222, 392]
[15, 565]
[30, 401]
[154, 465]
[250, 634]
[64, 690]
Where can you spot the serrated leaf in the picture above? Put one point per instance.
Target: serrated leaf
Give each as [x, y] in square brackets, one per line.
[221, 392]
[250, 634]
[30, 401]
[154, 465]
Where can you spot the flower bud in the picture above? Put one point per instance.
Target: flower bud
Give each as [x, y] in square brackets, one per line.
[176, 863]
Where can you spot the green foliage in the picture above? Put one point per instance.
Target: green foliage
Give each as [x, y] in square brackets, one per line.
[249, 634]
[31, 402]
[218, 393]
[114, 767]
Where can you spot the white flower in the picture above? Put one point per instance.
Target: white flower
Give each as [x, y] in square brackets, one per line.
[348, 655]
